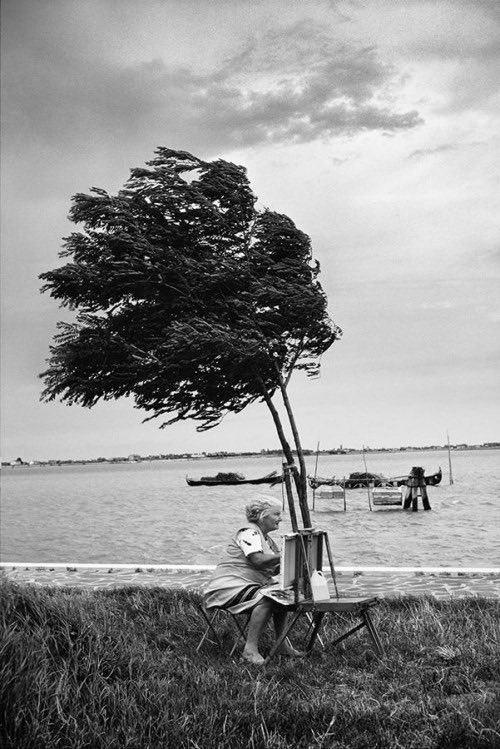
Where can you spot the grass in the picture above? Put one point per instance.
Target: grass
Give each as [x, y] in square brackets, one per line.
[119, 668]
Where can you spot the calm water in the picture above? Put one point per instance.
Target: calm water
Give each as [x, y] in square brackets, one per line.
[145, 512]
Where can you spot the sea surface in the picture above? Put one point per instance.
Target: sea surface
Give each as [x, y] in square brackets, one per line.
[145, 513]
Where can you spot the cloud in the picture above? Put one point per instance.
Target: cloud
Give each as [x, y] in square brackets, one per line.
[462, 37]
[301, 84]
[421, 152]
[294, 84]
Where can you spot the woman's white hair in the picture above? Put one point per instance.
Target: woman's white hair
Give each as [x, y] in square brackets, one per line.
[260, 507]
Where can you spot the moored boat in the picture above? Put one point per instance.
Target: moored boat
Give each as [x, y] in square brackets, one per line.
[432, 480]
[360, 480]
[234, 479]
[316, 481]
[355, 480]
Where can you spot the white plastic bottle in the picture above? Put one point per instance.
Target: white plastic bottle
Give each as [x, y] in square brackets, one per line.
[319, 587]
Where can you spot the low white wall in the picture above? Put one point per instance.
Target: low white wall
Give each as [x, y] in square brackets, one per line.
[205, 568]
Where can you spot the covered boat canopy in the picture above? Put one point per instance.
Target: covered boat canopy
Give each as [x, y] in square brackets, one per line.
[358, 480]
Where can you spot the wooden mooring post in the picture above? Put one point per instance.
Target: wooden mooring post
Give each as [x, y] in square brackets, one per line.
[416, 486]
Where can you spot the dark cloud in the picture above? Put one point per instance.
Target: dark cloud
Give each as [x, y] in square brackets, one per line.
[302, 84]
[289, 85]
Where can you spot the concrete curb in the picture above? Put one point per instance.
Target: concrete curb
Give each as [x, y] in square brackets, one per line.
[357, 570]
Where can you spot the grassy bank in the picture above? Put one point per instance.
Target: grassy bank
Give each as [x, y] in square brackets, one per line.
[119, 668]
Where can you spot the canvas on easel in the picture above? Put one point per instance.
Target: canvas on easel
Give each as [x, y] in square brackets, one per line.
[287, 561]
[301, 559]
[301, 556]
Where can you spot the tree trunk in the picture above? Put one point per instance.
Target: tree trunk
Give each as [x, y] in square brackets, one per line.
[279, 426]
[296, 437]
[302, 478]
[281, 433]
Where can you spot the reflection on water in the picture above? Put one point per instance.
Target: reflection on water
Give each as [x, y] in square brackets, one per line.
[145, 512]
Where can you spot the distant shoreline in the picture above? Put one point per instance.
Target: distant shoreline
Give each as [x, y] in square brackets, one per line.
[19, 463]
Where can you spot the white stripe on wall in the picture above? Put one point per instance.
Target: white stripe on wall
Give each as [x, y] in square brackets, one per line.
[206, 568]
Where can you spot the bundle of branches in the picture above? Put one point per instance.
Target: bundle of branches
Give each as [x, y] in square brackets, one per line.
[224, 477]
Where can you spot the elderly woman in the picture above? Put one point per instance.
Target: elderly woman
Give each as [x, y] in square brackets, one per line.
[240, 578]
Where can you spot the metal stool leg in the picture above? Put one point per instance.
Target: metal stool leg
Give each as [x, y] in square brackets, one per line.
[241, 630]
[210, 627]
[210, 619]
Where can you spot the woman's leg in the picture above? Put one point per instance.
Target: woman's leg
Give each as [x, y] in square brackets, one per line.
[280, 619]
[258, 620]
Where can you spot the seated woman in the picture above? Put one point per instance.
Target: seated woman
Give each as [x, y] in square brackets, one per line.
[239, 580]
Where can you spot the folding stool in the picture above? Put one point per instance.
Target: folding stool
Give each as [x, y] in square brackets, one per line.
[211, 617]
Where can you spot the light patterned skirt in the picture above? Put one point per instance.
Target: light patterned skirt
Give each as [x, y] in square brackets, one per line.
[234, 593]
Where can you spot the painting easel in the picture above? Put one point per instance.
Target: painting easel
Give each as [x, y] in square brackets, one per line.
[302, 555]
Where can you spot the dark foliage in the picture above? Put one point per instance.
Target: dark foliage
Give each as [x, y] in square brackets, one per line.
[188, 299]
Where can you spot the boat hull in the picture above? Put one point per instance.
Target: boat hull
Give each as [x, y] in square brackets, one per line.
[234, 482]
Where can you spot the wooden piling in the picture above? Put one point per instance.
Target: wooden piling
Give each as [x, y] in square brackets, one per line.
[415, 487]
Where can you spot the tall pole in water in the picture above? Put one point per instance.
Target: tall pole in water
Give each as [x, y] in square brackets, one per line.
[367, 482]
[364, 459]
[449, 458]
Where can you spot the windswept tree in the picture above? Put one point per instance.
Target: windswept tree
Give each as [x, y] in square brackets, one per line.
[188, 299]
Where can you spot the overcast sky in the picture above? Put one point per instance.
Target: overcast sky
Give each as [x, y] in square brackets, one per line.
[373, 124]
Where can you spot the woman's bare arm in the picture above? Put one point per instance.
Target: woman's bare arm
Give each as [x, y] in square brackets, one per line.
[262, 561]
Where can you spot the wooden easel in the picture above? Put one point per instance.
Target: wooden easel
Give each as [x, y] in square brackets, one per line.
[305, 551]
[416, 486]
[309, 546]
